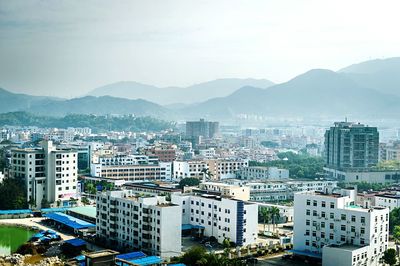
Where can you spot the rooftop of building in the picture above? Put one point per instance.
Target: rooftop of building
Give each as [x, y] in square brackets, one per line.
[89, 211]
[101, 253]
[390, 196]
[347, 247]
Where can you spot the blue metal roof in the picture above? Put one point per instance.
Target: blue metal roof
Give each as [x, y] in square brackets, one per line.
[147, 260]
[190, 226]
[69, 220]
[25, 211]
[76, 242]
[131, 255]
[178, 264]
[47, 210]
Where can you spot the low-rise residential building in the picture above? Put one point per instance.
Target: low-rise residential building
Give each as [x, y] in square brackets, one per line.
[326, 224]
[225, 168]
[128, 221]
[388, 200]
[185, 169]
[261, 172]
[364, 175]
[274, 191]
[220, 217]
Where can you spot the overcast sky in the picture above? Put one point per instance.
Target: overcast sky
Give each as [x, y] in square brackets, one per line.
[66, 48]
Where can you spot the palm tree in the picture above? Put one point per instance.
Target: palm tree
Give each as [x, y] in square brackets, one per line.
[207, 175]
[266, 216]
[275, 215]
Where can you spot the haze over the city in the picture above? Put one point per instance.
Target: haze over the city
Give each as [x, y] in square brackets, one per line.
[68, 48]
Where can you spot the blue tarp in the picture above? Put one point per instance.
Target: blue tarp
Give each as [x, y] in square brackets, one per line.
[131, 256]
[80, 258]
[25, 211]
[190, 226]
[147, 260]
[76, 242]
[179, 264]
[69, 220]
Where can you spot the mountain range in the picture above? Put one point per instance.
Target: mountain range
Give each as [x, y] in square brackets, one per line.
[367, 89]
[173, 95]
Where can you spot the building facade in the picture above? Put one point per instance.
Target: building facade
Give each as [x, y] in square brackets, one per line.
[128, 221]
[260, 172]
[350, 145]
[331, 222]
[49, 174]
[202, 128]
[221, 217]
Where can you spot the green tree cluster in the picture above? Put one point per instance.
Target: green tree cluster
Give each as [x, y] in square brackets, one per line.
[189, 181]
[95, 122]
[12, 195]
[394, 220]
[390, 257]
[269, 214]
[270, 144]
[198, 256]
[299, 165]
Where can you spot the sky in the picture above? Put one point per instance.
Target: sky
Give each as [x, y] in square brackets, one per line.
[67, 48]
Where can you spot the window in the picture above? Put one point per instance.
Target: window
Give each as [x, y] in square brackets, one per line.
[343, 217]
[353, 218]
[342, 238]
[332, 205]
[314, 213]
[323, 204]
[307, 212]
[322, 224]
[331, 226]
[331, 215]
[362, 230]
[353, 229]
[307, 222]
[363, 220]
[314, 203]
[308, 202]
[323, 214]
[343, 227]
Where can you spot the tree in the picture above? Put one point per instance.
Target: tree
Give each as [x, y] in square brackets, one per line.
[12, 194]
[85, 201]
[275, 215]
[265, 215]
[189, 181]
[394, 218]
[206, 174]
[193, 255]
[45, 203]
[389, 256]
[90, 188]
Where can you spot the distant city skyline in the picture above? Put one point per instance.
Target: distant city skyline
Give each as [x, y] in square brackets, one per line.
[67, 48]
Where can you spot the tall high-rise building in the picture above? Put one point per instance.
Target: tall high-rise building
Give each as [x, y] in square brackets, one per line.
[49, 174]
[349, 145]
[202, 128]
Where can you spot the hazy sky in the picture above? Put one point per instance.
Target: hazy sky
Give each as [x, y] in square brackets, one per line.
[67, 48]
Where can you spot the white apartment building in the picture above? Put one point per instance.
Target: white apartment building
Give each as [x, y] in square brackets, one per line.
[260, 172]
[185, 169]
[234, 191]
[49, 173]
[221, 217]
[128, 221]
[220, 169]
[389, 201]
[273, 191]
[330, 225]
[207, 153]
